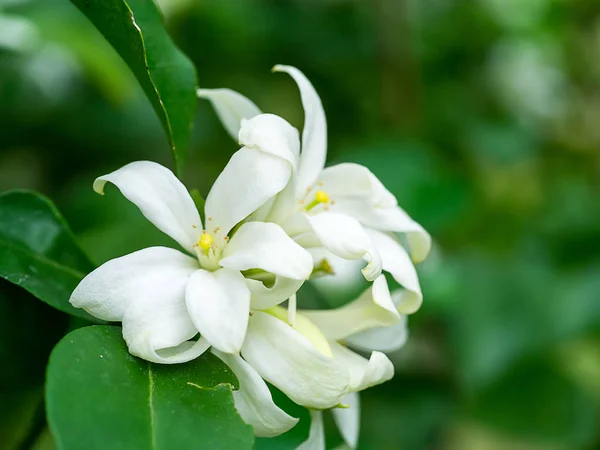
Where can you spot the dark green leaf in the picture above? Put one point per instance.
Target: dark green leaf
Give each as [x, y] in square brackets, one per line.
[135, 29]
[38, 250]
[28, 331]
[99, 396]
[199, 201]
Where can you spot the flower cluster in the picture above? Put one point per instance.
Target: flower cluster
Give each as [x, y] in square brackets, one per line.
[274, 218]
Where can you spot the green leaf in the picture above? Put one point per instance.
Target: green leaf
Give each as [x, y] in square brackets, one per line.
[38, 250]
[98, 396]
[199, 201]
[135, 29]
[28, 331]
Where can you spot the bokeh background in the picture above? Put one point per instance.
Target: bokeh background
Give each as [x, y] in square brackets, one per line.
[481, 116]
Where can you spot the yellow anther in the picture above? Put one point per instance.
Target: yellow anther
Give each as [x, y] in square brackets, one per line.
[321, 197]
[205, 241]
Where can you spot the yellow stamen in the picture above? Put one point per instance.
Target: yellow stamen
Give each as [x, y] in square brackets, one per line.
[320, 197]
[205, 241]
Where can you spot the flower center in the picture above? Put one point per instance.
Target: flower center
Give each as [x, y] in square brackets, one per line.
[205, 241]
[321, 197]
[208, 251]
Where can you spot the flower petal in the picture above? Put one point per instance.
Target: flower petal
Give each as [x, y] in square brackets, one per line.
[264, 297]
[397, 262]
[374, 308]
[346, 238]
[363, 373]
[146, 291]
[348, 419]
[161, 198]
[359, 194]
[156, 272]
[384, 339]
[231, 107]
[314, 134]
[273, 135]
[346, 180]
[253, 399]
[288, 360]
[259, 245]
[219, 306]
[316, 435]
[250, 179]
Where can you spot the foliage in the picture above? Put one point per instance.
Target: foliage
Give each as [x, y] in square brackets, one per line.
[481, 117]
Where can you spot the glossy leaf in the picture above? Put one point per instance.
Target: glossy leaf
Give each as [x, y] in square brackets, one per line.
[135, 29]
[38, 250]
[99, 396]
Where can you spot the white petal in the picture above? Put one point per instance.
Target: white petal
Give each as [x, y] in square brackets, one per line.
[161, 198]
[259, 245]
[359, 194]
[273, 135]
[231, 107]
[314, 134]
[264, 297]
[316, 435]
[363, 373]
[384, 339]
[155, 272]
[397, 262]
[250, 179]
[346, 180]
[346, 238]
[253, 399]
[288, 360]
[146, 291]
[374, 308]
[348, 419]
[219, 306]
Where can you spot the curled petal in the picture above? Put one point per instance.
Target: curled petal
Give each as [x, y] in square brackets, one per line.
[314, 135]
[359, 194]
[219, 306]
[108, 291]
[316, 435]
[231, 107]
[364, 373]
[397, 262]
[348, 419]
[373, 309]
[288, 360]
[346, 238]
[248, 181]
[347, 180]
[145, 290]
[384, 339]
[258, 245]
[253, 400]
[264, 297]
[161, 198]
[273, 135]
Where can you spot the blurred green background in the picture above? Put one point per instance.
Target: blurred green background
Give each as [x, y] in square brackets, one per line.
[481, 116]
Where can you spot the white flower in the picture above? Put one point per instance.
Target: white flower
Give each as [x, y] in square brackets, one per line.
[165, 297]
[344, 208]
[361, 324]
[343, 211]
[309, 361]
